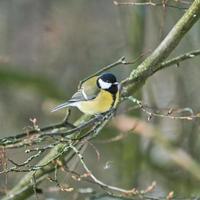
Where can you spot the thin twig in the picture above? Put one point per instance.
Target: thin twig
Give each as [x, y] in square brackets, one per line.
[180, 58]
[97, 181]
[35, 187]
[120, 61]
[116, 63]
[17, 138]
[192, 116]
[148, 3]
[28, 160]
[46, 131]
[34, 167]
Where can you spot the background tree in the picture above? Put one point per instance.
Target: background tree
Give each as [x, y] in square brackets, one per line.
[165, 150]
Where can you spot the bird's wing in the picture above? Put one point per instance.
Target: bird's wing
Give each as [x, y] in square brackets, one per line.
[87, 91]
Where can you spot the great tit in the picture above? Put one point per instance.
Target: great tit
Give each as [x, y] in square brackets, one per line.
[96, 95]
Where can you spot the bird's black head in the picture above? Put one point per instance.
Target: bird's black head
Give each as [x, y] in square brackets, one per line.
[108, 78]
[108, 81]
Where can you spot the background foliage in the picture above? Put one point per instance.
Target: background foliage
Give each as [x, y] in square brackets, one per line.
[47, 46]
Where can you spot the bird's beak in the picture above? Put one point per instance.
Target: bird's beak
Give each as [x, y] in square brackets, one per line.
[118, 85]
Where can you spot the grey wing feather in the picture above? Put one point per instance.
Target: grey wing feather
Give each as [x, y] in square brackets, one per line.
[63, 105]
[88, 91]
[89, 88]
[75, 98]
[78, 96]
[81, 95]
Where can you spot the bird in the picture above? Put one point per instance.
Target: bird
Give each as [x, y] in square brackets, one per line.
[99, 94]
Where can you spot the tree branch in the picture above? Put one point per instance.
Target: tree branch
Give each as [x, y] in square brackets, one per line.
[179, 59]
[153, 62]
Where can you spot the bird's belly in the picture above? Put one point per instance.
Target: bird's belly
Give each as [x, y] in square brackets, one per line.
[102, 103]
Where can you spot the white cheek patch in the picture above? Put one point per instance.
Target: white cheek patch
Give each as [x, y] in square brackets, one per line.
[104, 85]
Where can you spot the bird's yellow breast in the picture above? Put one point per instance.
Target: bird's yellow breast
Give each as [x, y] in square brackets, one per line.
[102, 103]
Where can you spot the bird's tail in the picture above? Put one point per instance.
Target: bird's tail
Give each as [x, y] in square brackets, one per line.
[64, 105]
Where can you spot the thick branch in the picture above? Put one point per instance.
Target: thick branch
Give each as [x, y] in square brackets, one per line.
[153, 62]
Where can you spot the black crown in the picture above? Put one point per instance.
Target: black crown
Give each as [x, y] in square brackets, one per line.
[108, 77]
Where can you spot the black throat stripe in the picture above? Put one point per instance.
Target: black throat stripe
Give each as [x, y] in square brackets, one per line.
[113, 91]
[114, 98]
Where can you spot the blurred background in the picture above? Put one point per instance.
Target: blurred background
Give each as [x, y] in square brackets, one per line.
[47, 47]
